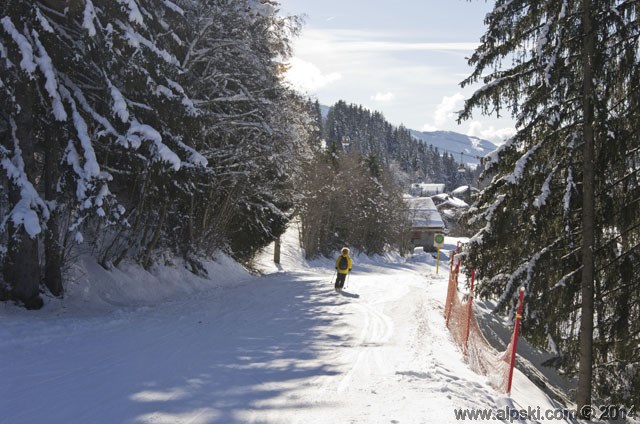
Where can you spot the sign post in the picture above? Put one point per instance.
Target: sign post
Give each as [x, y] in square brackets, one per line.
[438, 243]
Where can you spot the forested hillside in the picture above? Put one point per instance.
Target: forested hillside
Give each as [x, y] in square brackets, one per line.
[354, 128]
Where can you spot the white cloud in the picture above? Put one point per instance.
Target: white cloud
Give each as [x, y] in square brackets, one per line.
[362, 40]
[429, 127]
[359, 41]
[305, 76]
[447, 111]
[496, 135]
[383, 97]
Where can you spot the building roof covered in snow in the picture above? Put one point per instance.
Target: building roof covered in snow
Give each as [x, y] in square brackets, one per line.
[423, 213]
[463, 189]
[424, 189]
[456, 203]
[446, 200]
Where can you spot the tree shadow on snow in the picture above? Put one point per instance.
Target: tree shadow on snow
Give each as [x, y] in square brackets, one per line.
[253, 356]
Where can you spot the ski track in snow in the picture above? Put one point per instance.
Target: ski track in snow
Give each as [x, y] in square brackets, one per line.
[283, 348]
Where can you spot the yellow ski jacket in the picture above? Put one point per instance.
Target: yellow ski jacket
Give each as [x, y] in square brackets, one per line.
[349, 264]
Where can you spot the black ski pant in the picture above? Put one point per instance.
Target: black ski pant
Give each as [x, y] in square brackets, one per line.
[340, 281]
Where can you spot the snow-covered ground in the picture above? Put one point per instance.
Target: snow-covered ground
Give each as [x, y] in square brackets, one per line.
[128, 346]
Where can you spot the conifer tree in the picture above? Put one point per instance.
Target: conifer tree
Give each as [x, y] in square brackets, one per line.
[66, 67]
[554, 217]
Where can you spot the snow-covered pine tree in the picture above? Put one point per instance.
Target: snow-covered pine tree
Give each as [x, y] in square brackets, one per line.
[571, 84]
[157, 165]
[248, 128]
[379, 208]
[349, 199]
[78, 124]
[24, 211]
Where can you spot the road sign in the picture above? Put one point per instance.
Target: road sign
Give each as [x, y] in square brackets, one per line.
[438, 240]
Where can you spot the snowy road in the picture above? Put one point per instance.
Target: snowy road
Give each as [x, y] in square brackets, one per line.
[283, 348]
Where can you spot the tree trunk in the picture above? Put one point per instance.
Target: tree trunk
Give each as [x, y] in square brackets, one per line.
[585, 371]
[189, 240]
[21, 270]
[146, 259]
[132, 234]
[276, 251]
[53, 257]
[52, 243]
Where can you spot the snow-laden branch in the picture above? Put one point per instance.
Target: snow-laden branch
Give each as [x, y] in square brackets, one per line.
[261, 9]
[194, 157]
[51, 82]
[4, 54]
[135, 15]
[91, 167]
[89, 16]
[103, 121]
[135, 39]
[119, 106]
[73, 159]
[139, 132]
[566, 202]
[556, 53]
[26, 50]
[541, 199]
[526, 267]
[563, 281]
[487, 215]
[492, 157]
[186, 101]
[44, 21]
[518, 171]
[240, 97]
[27, 210]
[171, 5]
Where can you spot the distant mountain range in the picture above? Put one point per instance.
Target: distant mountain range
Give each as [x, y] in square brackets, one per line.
[470, 148]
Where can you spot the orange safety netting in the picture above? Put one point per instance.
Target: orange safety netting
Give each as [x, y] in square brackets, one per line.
[461, 321]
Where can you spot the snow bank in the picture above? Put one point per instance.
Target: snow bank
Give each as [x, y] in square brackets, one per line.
[92, 288]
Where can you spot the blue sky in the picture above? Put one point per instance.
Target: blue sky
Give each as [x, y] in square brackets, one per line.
[404, 58]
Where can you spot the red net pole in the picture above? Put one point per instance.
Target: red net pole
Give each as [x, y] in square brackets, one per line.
[516, 332]
[469, 312]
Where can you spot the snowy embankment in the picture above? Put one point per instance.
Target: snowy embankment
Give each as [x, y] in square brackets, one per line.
[281, 348]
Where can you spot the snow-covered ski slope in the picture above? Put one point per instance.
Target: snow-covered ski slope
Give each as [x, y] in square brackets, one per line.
[281, 348]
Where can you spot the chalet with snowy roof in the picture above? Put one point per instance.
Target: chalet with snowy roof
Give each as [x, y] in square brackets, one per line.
[465, 192]
[448, 201]
[425, 221]
[424, 189]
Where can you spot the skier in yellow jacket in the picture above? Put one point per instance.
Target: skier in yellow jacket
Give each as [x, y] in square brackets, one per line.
[343, 267]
